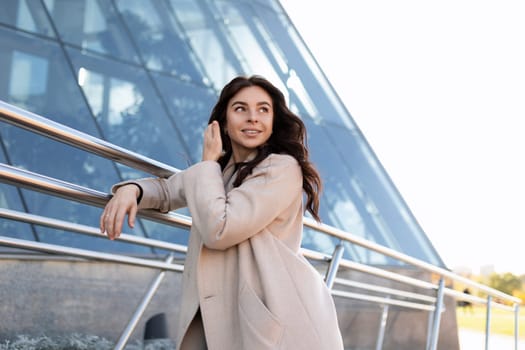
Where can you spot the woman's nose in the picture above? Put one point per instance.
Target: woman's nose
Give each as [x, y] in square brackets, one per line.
[252, 116]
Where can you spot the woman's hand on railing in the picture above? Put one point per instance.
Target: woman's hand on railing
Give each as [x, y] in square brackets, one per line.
[123, 202]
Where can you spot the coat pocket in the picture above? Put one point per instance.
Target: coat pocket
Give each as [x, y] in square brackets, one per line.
[260, 329]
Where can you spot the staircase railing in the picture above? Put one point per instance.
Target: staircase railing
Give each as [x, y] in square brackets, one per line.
[392, 296]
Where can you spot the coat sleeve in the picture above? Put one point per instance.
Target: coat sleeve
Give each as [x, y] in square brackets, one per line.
[159, 193]
[226, 219]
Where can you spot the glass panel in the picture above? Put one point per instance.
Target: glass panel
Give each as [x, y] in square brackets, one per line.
[246, 37]
[315, 91]
[38, 78]
[11, 228]
[207, 41]
[62, 209]
[48, 157]
[101, 244]
[125, 105]
[166, 233]
[300, 98]
[10, 199]
[344, 203]
[26, 15]
[92, 25]
[162, 115]
[42, 155]
[26, 66]
[190, 108]
[158, 37]
[403, 232]
[271, 5]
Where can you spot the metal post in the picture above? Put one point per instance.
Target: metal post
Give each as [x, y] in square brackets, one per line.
[487, 322]
[437, 315]
[429, 328]
[516, 324]
[334, 265]
[124, 337]
[382, 326]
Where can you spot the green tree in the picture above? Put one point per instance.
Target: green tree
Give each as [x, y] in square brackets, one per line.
[506, 283]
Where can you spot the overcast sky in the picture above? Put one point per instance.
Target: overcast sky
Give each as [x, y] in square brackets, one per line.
[438, 89]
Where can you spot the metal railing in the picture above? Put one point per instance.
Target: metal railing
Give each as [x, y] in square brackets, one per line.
[392, 297]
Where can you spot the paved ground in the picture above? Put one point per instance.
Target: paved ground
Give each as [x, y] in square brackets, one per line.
[471, 340]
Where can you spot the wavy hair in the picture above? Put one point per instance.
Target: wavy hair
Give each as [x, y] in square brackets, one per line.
[288, 137]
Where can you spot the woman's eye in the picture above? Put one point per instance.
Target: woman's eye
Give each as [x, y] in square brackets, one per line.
[239, 109]
[263, 110]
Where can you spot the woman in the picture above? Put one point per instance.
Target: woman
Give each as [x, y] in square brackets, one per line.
[245, 283]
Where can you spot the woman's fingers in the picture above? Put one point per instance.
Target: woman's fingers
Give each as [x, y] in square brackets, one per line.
[123, 203]
[212, 147]
[110, 220]
[215, 130]
[131, 216]
[101, 224]
[118, 222]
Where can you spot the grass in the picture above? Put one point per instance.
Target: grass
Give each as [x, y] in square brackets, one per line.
[501, 321]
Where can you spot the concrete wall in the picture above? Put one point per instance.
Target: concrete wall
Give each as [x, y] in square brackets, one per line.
[405, 328]
[60, 296]
[63, 296]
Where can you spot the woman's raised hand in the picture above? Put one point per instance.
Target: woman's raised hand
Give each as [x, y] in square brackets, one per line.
[124, 202]
[212, 145]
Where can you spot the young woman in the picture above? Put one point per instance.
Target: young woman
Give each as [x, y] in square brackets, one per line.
[245, 284]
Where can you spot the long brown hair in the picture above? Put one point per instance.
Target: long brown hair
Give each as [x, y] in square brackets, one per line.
[288, 137]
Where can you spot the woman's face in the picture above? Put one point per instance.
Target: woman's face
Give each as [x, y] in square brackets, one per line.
[249, 121]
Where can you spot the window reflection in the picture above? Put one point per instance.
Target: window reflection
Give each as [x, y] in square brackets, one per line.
[27, 15]
[125, 104]
[92, 25]
[397, 229]
[245, 38]
[207, 41]
[300, 97]
[28, 76]
[342, 202]
[38, 79]
[190, 108]
[314, 240]
[344, 212]
[159, 38]
[116, 98]
[10, 199]
[166, 233]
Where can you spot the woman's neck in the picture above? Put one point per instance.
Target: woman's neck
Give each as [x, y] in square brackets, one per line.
[243, 157]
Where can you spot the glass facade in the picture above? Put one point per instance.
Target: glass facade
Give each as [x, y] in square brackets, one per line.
[144, 75]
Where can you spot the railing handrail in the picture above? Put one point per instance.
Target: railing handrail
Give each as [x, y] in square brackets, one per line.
[83, 229]
[89, 254]
[56, 131]
[88, 230]
[45, 184]
[46, 127]
[335, 232]
[92, 231]
[41, 183]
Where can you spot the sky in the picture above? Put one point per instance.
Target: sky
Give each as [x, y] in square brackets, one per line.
[438, 90]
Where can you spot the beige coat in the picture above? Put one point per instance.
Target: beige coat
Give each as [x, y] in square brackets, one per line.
[243, 267]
